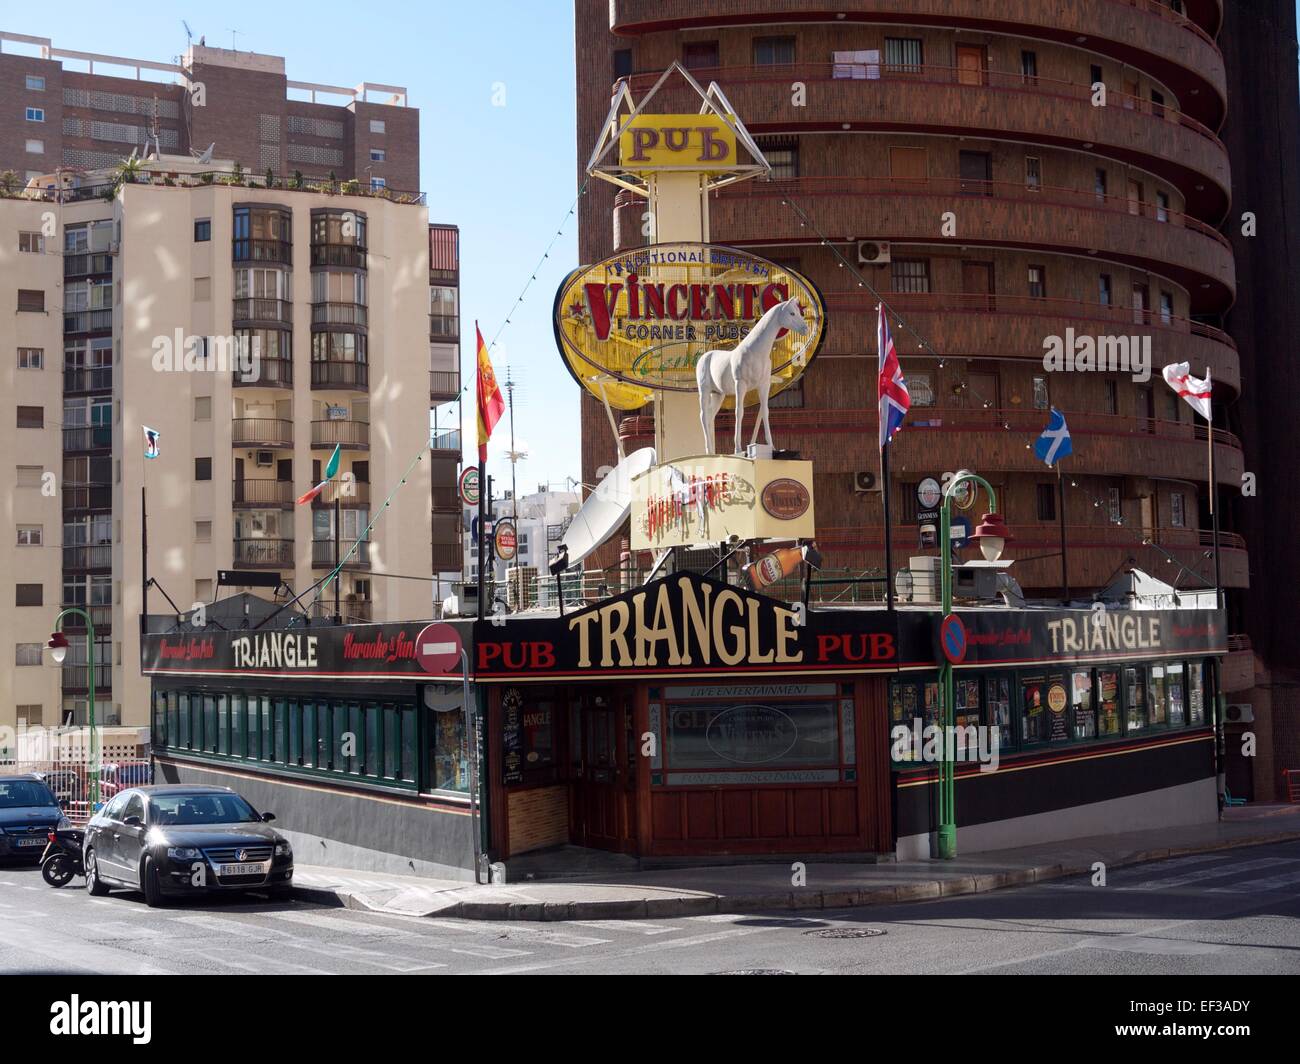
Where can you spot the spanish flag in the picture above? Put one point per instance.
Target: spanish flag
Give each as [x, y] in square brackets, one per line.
[491, 403]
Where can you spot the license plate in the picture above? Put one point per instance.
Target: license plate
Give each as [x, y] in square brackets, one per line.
[30, 842]
[254, 868]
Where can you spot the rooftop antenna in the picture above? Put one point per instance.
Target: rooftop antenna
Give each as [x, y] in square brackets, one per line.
[234, 47]
[513, 454]
[189, 33]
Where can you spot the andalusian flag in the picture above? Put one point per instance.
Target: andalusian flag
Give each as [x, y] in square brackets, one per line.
[331, 468]
[491, 403]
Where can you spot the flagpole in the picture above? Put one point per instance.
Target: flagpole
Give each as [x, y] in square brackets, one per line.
[1065, 572]
[338, 617]
[482, 522]
[889, 547]
[1214, 510]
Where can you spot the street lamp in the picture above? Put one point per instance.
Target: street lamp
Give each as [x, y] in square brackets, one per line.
[58, 648]
[992, 536]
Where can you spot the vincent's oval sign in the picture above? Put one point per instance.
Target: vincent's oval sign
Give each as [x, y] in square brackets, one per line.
[639, 321]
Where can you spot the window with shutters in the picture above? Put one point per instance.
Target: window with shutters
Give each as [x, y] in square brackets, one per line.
[910, 275]
[31, 300]
[31, 417]
[29, 595]
[903, 55]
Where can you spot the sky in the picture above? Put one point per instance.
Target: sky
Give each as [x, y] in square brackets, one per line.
[504, 173]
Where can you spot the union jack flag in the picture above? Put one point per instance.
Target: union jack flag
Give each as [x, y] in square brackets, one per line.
[891, 388]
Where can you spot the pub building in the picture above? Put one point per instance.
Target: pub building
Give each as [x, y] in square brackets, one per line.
[692, 718]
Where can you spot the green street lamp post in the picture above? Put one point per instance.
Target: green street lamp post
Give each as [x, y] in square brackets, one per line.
[992, 537]
[58, 648]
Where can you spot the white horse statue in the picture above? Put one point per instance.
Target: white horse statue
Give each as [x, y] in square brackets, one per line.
[746, 367]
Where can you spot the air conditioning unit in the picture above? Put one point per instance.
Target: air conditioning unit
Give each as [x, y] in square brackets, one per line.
[864, 482]
[114, 248]
[266, 458]
[1240, 713]
[873, 252]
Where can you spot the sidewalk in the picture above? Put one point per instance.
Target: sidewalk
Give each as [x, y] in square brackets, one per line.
[690, 891]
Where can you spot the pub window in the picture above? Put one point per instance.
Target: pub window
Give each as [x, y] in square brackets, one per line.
[308, 735]
[374, 751]
[408, 744]
[210, 723]
[1057, 722]
[1085, 715]
[183, 731]
[159, 735]
[450, 754]
[173, 719]
[910, 275]
[1046, 502]
[1135, 696]
[903, 55]
[1175, 694]
[281, 723]
[252, 733]
[392, 743]
[773, 51]
[324, 717]
[1033, 709]
[223, 724]
[1108, 702]
[1196, 693]
[1157, 697]
[355, 740]
[997, 692]
[966, 703]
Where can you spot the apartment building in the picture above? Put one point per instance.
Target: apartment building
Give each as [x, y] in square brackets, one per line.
[77, 109]
[254, 322]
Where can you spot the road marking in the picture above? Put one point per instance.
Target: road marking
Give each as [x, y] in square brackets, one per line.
[653, 947]
[326, 918]
[526, 934]
[118, 929]
[639, 926]
[70, 951]
[1250, 885]
[1217, 872]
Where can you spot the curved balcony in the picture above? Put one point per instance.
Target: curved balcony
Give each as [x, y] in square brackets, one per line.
[261, 432]
[344, 255]
[990, 441]
[88, 438]
[322, 554]
[331, 373]
[340, 314]
[248, 310]
[989, 214]
[350, 435]
[262, 492]
[961, 325]
[350, 494]
[936, 99]
[1146, 34]
[262, 249]
[263, 553]
[265, 373]
[1094, 553]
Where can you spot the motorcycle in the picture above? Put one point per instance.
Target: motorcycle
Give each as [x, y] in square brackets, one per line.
[62, 857]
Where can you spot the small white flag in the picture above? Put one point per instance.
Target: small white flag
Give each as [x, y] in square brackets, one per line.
[150, 441]
[1197, 392]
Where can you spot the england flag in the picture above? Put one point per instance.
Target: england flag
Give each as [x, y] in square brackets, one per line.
[891, 389]
[1197, 392]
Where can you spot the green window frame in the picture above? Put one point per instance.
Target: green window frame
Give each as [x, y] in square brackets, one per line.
[281, 723]
[374, 747]
[392, 742]
[223, 723]
[183, 735]
[267, 729]
[309, 735]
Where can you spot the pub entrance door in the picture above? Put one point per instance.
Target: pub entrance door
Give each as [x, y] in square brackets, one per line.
[604, 772]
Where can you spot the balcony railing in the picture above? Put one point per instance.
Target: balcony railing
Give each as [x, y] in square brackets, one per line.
[94, 379]
[338, 255]
[445, 441]
[354, 435]
[448, 557]
[77, 677]
[88, 438]
[88, 556]
[84, 321]
[349, 493]
[444, 326]
[444, 383]
[87, 263]
[251, 309]
[322, 554]
[257, 249]
[264, 553]
[262, 491]
[340, 314]
[339, 374]
[261, 432]
[87, 496]
[445, 499]
[354, 611]
[267, 373]
[100, 616]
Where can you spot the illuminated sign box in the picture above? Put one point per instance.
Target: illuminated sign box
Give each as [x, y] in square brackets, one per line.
[676, 142]
[707, 499]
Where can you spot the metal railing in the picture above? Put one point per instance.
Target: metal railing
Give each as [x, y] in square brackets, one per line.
[262, 249]
[84, 321]
[322, 554]
[261, 432]
[88, 556]
[330, 373]
[77, 677]
[70, 778]
[340, 314]
[92, 379]
[349, 493]
[267, 373]
[353, 434]
[88, 438]
[351, 255]
[256, 308]
[444, 383]
[444, 326]
[85, 263]
[262, 491]
[264, 553]
[87, 497]
[445, 441]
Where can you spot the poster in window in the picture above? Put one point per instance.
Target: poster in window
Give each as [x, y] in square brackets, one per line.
[1085, 717]
[998, 691]
[1196, 694]
[1174, 693]
[1108, 701]
[1033, 690]
[1058, 702]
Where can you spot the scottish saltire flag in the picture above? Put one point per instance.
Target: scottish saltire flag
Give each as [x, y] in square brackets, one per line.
[891, 389]
[1197, 392]
[1054, 444]
[150, 441]
[331, 467]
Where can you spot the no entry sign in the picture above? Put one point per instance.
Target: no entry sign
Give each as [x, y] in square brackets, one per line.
[437, 648]
[952, 638]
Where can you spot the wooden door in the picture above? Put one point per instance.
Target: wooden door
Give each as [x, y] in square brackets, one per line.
[1141, 304]
[972, 66]
[982, 388]
[1136, 196]
[603, 785]
[977, 284]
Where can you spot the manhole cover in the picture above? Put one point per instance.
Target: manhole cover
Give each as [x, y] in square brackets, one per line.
[757, 971]
[846, 932]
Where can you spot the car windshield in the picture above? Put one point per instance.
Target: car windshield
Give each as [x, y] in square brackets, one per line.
[200, 809]
[17, 793]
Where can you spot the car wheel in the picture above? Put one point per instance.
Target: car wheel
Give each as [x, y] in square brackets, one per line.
[153, 895]
[94, 885]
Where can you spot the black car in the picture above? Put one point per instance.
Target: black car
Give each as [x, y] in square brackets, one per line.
[176, 840]
[28, 813]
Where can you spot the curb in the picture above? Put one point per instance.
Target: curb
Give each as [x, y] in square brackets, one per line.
[741, 904]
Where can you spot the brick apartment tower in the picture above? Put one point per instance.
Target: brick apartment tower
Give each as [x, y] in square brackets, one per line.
[330, 284]
[1120, 220]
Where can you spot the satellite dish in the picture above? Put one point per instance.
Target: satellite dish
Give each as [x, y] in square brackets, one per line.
[607, 507]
